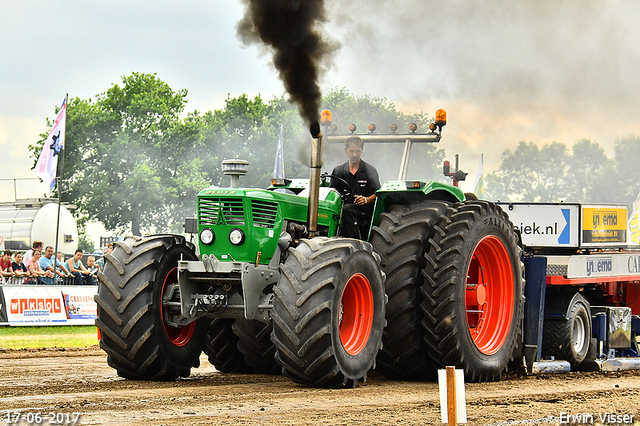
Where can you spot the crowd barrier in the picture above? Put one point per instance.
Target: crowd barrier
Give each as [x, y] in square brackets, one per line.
[44, 281]
[33, 305]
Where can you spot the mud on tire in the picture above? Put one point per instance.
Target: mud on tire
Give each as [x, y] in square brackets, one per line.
[473, 291]
[328, 315]
[401, 239]
[134, 335]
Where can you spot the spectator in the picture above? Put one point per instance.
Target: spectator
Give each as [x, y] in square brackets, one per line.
[5, 265]
[93, 266]
[19, 269]
[47, 262]
[100, 262]
[59, 260]
[36, 272]
[36, 245]
[77, 268]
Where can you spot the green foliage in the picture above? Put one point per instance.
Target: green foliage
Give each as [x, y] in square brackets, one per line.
[551, 174]
[626, 160]
[85, 243]
[134, 161]
[532, 174]
[590, 173]
[426, 159]
[249, 130]
[124, 152]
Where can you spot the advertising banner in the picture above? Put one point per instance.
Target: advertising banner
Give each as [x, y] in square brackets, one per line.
[633, 231]
[50, 305]
[604, 225]
[3, 308]
[604, 265]
[545, 225]
[31, 305]
[79, 305]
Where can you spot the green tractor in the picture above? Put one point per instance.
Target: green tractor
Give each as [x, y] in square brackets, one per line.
[275, 289]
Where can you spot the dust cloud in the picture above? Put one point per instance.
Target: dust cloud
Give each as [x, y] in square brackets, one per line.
[504, 71]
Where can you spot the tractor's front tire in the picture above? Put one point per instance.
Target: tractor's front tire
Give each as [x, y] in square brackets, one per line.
[329, 312]
[473, 291]
[138, 341]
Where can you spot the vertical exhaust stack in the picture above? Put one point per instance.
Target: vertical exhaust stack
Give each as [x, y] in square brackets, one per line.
[292, 30]
[314, 178]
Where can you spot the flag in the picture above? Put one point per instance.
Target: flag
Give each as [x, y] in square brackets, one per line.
[48, 161]
[633, 224]
[278, 168]
[478, 182]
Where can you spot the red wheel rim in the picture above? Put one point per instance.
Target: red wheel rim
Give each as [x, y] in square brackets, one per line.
[356, 314]
[179, 336]
[489, 296]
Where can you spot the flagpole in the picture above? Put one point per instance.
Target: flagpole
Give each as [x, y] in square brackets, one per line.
[64, 124]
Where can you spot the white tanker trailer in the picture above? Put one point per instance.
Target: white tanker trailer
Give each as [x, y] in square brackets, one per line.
[27, 220]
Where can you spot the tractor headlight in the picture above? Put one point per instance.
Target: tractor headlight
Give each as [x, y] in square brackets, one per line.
[207, 236]
[236, 236]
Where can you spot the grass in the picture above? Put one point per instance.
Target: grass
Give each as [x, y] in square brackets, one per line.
[80, 336]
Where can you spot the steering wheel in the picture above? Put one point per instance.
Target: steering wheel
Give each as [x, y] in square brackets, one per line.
[347, 194]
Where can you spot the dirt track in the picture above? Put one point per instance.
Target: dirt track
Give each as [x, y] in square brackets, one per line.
[67, 381]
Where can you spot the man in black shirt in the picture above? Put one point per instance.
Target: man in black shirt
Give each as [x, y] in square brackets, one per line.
[363, 182]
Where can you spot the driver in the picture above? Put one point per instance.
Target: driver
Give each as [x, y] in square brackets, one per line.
[363, 182]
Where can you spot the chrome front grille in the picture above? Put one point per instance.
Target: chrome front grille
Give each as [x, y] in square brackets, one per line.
[264, 213]
[221, 211]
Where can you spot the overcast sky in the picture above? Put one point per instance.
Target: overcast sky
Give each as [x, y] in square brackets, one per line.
[506, 71]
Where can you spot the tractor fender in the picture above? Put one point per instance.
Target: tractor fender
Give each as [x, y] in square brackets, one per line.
[558, 303]
[397, 193]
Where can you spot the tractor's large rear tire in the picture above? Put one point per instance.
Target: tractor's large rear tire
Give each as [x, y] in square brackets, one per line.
[569, 339]
[138, 342]
[241, 346]
[222, 347]
[329, 312]
[473, 291]
[254, 342]
[401, 239]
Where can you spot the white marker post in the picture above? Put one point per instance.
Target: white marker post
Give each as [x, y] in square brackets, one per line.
[453, 407]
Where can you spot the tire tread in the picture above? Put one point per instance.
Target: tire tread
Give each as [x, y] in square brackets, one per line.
[125, 310]
[302, 311]
[442, 276]
[401, 239]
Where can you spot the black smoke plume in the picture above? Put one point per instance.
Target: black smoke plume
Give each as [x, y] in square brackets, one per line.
[292, 29]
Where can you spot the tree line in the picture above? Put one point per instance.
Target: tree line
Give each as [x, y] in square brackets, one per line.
[555, 173]
[135, 162]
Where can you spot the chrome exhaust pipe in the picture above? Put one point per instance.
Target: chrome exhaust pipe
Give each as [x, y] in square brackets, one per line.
[314, 179]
